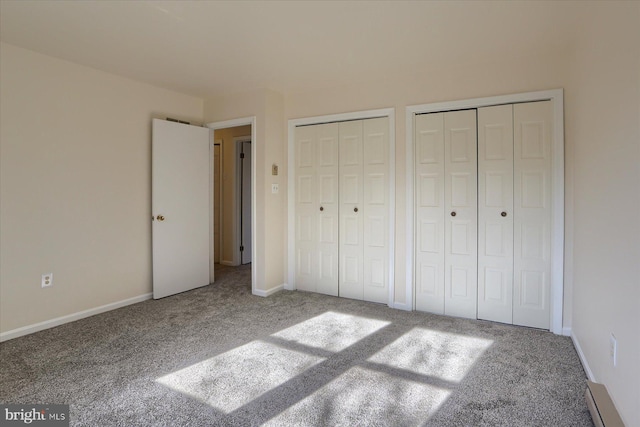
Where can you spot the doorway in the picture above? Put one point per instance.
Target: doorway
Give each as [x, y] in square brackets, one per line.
[237, 191]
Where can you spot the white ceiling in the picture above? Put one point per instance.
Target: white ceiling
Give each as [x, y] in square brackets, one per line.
[208, 48]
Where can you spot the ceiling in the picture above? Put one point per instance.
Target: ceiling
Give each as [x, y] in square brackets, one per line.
[210, 48]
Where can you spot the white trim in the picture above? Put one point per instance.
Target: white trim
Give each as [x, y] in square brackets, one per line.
[30, 329]
[226, 262]
[566, 332]
[557, 244]
[355, 115]
[255, 280]
[583, 358]
[269, 292]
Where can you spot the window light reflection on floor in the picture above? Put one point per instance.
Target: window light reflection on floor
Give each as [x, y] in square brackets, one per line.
[443, 355]
[359, 394]
[230, 380]
[331, 331]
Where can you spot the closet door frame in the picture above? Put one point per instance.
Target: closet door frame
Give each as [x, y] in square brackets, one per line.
[291, 159]
[556, 96]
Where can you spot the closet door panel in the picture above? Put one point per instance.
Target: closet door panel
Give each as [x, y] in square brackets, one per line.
[327, 208]
[306, 253]
[374, 210]
[461, 258]
[495, 213]
[532, 205]
[430, 212]
[351, 222]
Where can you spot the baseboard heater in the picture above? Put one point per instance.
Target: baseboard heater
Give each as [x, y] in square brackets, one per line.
[603, 411]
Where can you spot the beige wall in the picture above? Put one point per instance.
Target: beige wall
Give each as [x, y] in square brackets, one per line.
[229, 217]
[75, 185]
[603, 121]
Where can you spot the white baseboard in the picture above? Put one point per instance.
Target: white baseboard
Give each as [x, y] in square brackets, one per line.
[401, 306]
[263, 293]
[582, 357]
[566, 331]
[228, 263]
[288, 287]
[26, 330]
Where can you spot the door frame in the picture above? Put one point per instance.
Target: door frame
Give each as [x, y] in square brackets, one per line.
[341, 117]
[237, 206]
[556, 96]
[243, 121]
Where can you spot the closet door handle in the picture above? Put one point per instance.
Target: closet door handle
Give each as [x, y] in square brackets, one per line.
[453, 213]
[355, 209]
[321, 208]
[503, 214]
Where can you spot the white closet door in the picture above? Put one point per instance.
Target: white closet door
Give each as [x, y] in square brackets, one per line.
[306, 217]
[375, 209]
[327, 208]
[461, 210]
[351, 215]
[532, 211]
[495, 213]
[430, 220]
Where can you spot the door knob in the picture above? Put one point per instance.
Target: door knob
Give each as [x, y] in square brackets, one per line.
[503, 214]
[453, 213]
[321, 208]
[160, 217]
[355, 209]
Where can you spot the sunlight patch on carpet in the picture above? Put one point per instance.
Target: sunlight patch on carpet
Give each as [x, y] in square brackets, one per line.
[232, 379]
[359, 396]
[331, 331]
[433, 353]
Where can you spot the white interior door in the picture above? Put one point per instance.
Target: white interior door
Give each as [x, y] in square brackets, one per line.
[495, 213]
[317, 203]
[307, 213]
[245, 221]
[430, 212]
[375, 209]
[181, 181]
[327, 205]
[351, 268]
[461, 221]
[532, 211]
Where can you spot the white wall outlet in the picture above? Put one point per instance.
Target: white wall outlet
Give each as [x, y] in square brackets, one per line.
[613, 349]
[274, 188]
[47, 280]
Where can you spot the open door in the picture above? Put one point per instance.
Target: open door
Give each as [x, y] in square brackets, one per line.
[181, 201]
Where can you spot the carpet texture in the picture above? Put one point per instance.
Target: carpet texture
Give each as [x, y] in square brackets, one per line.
[220, 356]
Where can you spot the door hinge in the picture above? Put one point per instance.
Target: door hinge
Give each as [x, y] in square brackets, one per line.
[242, 155]
[241, 248]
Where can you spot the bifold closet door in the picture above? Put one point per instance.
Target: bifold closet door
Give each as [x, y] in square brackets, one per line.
[364, 196]
[376, 209]
[351, 248]
[446, 214]
[532, 213]
[317, 208]
[495, 213]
